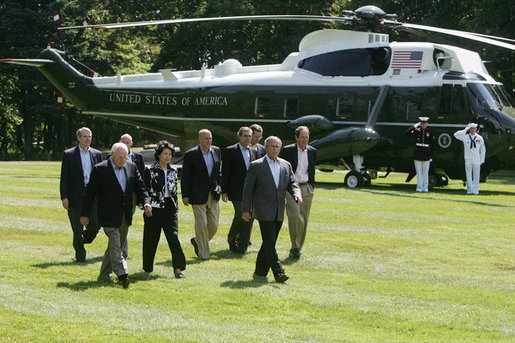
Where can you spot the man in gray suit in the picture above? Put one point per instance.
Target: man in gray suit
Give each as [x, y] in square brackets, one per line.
[264, 192]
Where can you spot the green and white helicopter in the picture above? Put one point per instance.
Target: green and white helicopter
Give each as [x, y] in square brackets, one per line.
[357, 91]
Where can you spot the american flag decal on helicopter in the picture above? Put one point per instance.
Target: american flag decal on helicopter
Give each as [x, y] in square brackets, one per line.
[407, 59]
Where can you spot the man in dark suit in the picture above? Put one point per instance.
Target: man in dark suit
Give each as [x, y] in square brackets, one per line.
[76, 167]
[257, 135]
[200, 187]
[112, 182]
[235, 162]
[302, 159]
[267, 181]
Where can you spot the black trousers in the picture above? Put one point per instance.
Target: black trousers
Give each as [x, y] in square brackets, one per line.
[267, 257]
[240, 230]
[166, 219]
[81, 235]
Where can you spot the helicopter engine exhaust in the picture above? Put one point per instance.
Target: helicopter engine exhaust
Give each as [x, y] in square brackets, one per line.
[345, 142]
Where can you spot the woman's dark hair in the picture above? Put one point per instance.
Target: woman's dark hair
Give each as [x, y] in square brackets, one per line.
[161, 146]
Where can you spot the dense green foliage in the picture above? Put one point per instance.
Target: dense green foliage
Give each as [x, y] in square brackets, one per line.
[380, 264]
[31, 125]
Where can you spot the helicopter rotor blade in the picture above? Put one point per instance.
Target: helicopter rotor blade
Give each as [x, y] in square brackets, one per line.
[462, 34]
[190, 20]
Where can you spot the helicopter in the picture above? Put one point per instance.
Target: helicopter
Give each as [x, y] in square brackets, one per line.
[356, 91]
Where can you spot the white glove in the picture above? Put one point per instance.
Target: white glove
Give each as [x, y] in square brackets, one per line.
[416, 125]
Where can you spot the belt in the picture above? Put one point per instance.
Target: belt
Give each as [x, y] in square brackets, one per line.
[423, 145]
[303, 183]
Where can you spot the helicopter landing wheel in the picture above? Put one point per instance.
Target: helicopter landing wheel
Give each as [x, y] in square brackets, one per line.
[354, 179]
[438, 180]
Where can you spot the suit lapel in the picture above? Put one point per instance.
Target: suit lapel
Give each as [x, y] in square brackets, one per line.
[295, 158]
[202, 161]
[113, 176]
[240, 158]
[268, 172]
[78, 160]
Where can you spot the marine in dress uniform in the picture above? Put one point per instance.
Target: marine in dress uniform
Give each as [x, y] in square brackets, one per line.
[424, 150]
[475, 152]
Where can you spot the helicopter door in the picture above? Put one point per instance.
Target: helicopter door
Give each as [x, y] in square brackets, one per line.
[453, 103]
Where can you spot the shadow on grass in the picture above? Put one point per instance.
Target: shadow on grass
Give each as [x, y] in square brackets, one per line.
[69, 263]
[289, 261]
[468, 199]
[408, 191]
[105, 282]
[256, 282]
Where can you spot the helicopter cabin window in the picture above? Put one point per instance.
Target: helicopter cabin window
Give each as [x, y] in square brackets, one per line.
[344, 109]
[351, 62]
[262, 107]
[452, 101]
[413, 110]
[290, 108]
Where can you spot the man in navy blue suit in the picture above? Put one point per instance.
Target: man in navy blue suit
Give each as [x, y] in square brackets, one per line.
[76, 168]
[235, 163]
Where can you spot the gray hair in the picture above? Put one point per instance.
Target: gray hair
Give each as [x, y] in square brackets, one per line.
[244, 129]
[272, 138]
[126, 135]
[79, 131]
[201, 132]
[117, 146]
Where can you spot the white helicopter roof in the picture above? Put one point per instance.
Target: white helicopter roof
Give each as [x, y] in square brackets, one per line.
[316, 43]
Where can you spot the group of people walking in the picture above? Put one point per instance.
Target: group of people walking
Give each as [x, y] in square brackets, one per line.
[252, 176]
[262, 182]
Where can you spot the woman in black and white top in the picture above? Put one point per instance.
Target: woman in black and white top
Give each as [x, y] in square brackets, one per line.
[161, 182]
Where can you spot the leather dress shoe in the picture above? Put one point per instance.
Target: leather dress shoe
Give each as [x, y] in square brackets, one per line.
[295, 253]
[281, 277]
[178, 274]
[124, 281]
[233, 247]
[195, 246]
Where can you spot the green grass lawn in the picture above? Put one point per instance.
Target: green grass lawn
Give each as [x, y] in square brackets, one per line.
[380, 264]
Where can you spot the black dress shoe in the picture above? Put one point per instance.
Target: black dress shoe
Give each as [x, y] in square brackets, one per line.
[195, 246]
[124, 281]
[233, 247]
[281, 277]
[178, 274]
[295, 253]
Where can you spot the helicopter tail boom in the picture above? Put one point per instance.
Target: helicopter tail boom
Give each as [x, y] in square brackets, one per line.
[28, 62]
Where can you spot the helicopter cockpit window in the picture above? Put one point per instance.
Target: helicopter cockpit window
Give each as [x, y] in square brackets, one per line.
[489, 95]
[262, 107]
[351, 62]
